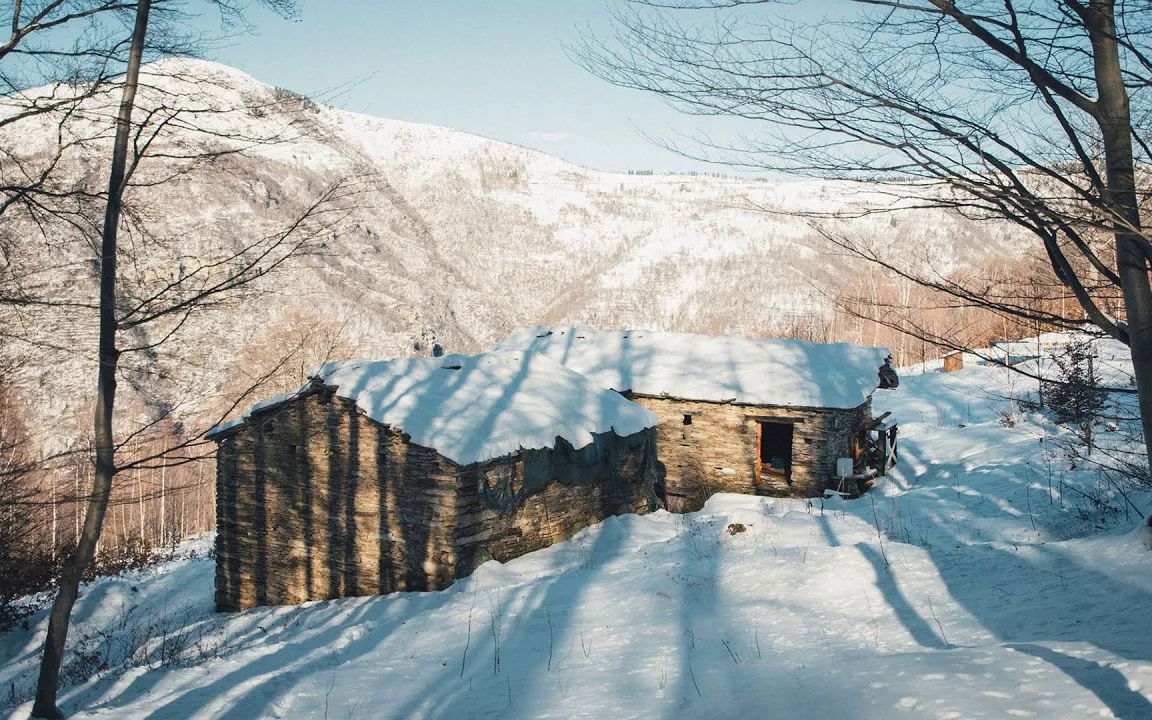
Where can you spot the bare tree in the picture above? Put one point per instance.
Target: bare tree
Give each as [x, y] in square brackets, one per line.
[143, 300]
[78, 561]
[1034, 113]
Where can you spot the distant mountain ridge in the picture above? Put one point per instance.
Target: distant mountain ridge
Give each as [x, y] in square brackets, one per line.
[457, 238]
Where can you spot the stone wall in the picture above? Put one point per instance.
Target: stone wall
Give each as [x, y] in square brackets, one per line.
[554, 494]
[317, 501]
[718, 451]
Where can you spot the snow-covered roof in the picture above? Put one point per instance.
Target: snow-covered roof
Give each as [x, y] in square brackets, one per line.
[711, 368]
[477, 407]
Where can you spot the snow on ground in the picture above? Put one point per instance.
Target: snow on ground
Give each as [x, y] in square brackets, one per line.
[991, 590]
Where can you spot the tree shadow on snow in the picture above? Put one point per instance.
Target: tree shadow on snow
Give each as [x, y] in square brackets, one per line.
[1027, 596]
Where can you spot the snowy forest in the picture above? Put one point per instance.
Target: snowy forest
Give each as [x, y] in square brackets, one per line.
[922, 252]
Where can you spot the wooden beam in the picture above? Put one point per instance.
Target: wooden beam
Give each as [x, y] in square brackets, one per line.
[781, 419]
[875, 422]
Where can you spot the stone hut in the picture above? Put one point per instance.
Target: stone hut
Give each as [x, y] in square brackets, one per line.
[408, 474]
[763, 417]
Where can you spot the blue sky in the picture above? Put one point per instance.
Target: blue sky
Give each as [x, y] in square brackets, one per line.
[492, 67]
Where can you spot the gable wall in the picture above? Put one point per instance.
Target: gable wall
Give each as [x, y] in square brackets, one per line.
[317, 501]
[718, 451]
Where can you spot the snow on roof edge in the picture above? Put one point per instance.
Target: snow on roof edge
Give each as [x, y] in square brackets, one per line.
[711, 368]
[496, 404]
[259, 406]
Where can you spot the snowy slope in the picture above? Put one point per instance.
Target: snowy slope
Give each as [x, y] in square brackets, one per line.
[962, 587]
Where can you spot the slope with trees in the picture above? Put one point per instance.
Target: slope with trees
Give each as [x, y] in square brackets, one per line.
[1031, 113]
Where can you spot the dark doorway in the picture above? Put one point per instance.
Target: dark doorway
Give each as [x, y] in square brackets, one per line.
[775, 450]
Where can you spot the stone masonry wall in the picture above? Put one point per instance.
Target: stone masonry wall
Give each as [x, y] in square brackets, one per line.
[718, 451]
[571, 496]
[317, 501]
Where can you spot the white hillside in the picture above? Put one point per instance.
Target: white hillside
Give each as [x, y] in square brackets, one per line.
[454, 239]
[987, 578]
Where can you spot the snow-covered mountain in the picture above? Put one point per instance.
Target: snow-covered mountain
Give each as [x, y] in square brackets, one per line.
[453, 238]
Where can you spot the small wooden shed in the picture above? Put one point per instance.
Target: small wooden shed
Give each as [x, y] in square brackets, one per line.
[762, 417]
[953, 361]
[408, 474]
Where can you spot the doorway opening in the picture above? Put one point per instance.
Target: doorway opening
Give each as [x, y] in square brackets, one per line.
[775, 445]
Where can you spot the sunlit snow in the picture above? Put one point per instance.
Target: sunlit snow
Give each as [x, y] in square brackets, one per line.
[977, 581]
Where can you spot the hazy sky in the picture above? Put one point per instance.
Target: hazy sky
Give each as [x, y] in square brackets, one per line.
[492, 67]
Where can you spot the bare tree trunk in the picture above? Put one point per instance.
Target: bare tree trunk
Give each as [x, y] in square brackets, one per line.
[140, 505]
[76, 505]
[1115, 121]
[55, 512]
[199, 496]
[81, 557]
[163, 505]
